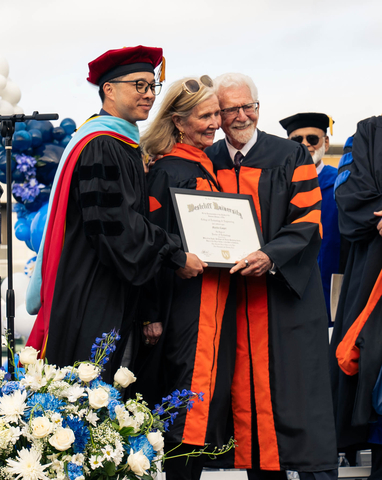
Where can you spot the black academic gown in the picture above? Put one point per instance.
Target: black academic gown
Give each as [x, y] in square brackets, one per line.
[358, 192]
[110, 251]
[283, 414]
[197, 348]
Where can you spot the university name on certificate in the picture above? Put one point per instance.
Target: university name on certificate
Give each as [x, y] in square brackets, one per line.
[219, 228]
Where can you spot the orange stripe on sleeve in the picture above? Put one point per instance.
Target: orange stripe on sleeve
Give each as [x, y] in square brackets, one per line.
[312, 217]
[304, 172]
[307, 199]
[347, 352]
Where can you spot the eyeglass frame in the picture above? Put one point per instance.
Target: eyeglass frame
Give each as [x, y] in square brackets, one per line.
[236, 110]
[294, 139]
[151, 85]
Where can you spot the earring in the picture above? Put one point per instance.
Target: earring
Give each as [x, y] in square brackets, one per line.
[181, 136]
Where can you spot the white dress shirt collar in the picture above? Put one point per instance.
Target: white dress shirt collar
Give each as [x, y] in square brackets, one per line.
[247, 147]
[320, 167]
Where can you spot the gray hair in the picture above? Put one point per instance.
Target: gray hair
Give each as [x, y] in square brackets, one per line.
[228, 80]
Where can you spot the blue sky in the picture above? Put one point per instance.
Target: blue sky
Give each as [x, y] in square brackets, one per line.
[320, 56]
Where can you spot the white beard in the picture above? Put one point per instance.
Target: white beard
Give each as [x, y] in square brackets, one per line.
[242, 136]
[318, 154]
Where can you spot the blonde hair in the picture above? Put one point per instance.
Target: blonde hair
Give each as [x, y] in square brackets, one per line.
[162, 134]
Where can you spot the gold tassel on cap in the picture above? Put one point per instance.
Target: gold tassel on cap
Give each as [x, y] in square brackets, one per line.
[162, 70]
[331, 125]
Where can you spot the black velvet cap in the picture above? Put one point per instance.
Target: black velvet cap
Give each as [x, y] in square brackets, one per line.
[303, 120]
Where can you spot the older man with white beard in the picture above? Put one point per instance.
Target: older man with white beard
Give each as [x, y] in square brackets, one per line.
[310, 129]
[281, 398]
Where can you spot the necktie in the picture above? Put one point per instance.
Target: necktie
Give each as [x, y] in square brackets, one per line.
[237, 160]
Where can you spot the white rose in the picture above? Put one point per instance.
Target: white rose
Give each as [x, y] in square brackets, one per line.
[87, 372]
[28, 355]
[124, 377]
[156, 440]
[41, 427]
[98, 397]
[62, 439]
[138, 462]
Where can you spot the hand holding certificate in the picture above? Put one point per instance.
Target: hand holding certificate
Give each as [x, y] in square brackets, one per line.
[220, 228]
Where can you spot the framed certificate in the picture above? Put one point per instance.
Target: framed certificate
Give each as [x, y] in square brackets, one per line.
[220, 228]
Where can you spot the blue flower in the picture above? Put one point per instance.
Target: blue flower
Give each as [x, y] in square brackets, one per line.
[41, 403]
[10, 387]
[158, 410]
[141, 443]
[74, 471]
[111, 407]
[26, 164]
[103, 346]
[173, 416]
[27, 191]
[81, 433]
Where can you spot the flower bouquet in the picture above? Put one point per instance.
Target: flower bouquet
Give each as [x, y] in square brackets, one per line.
[66, 423]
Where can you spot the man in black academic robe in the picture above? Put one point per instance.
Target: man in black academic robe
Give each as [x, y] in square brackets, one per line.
[281, 400]
[99, 248]
[357, 333]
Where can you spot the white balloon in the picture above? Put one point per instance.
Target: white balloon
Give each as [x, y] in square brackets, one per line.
[6, 108]
[23, 321]
[18, 110]
[3, 82]
[4, 67]
[11, 93]
[20, 285]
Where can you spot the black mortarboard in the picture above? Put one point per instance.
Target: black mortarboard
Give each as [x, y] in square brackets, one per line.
[309, 119]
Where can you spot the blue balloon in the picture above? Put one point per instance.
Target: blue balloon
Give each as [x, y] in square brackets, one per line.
[39, 201]
[29, 245]
[65, 141]
[37, 227]
[68, 125]
[49, 158]
[58, 134]
[45, 127]
[36, 137]
[22, 229]
[20, 126]
[21, 140]
[31, 216]
[3, 177]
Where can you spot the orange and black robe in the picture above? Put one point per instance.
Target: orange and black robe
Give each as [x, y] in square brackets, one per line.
[197, 348]
[283, 415]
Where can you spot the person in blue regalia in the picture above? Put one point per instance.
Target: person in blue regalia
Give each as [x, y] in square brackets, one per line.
[310, 129]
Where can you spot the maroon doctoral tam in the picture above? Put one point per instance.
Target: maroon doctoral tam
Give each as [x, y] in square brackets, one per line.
[115, 63]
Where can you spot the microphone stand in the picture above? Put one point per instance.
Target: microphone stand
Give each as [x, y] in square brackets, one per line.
[7, 128]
